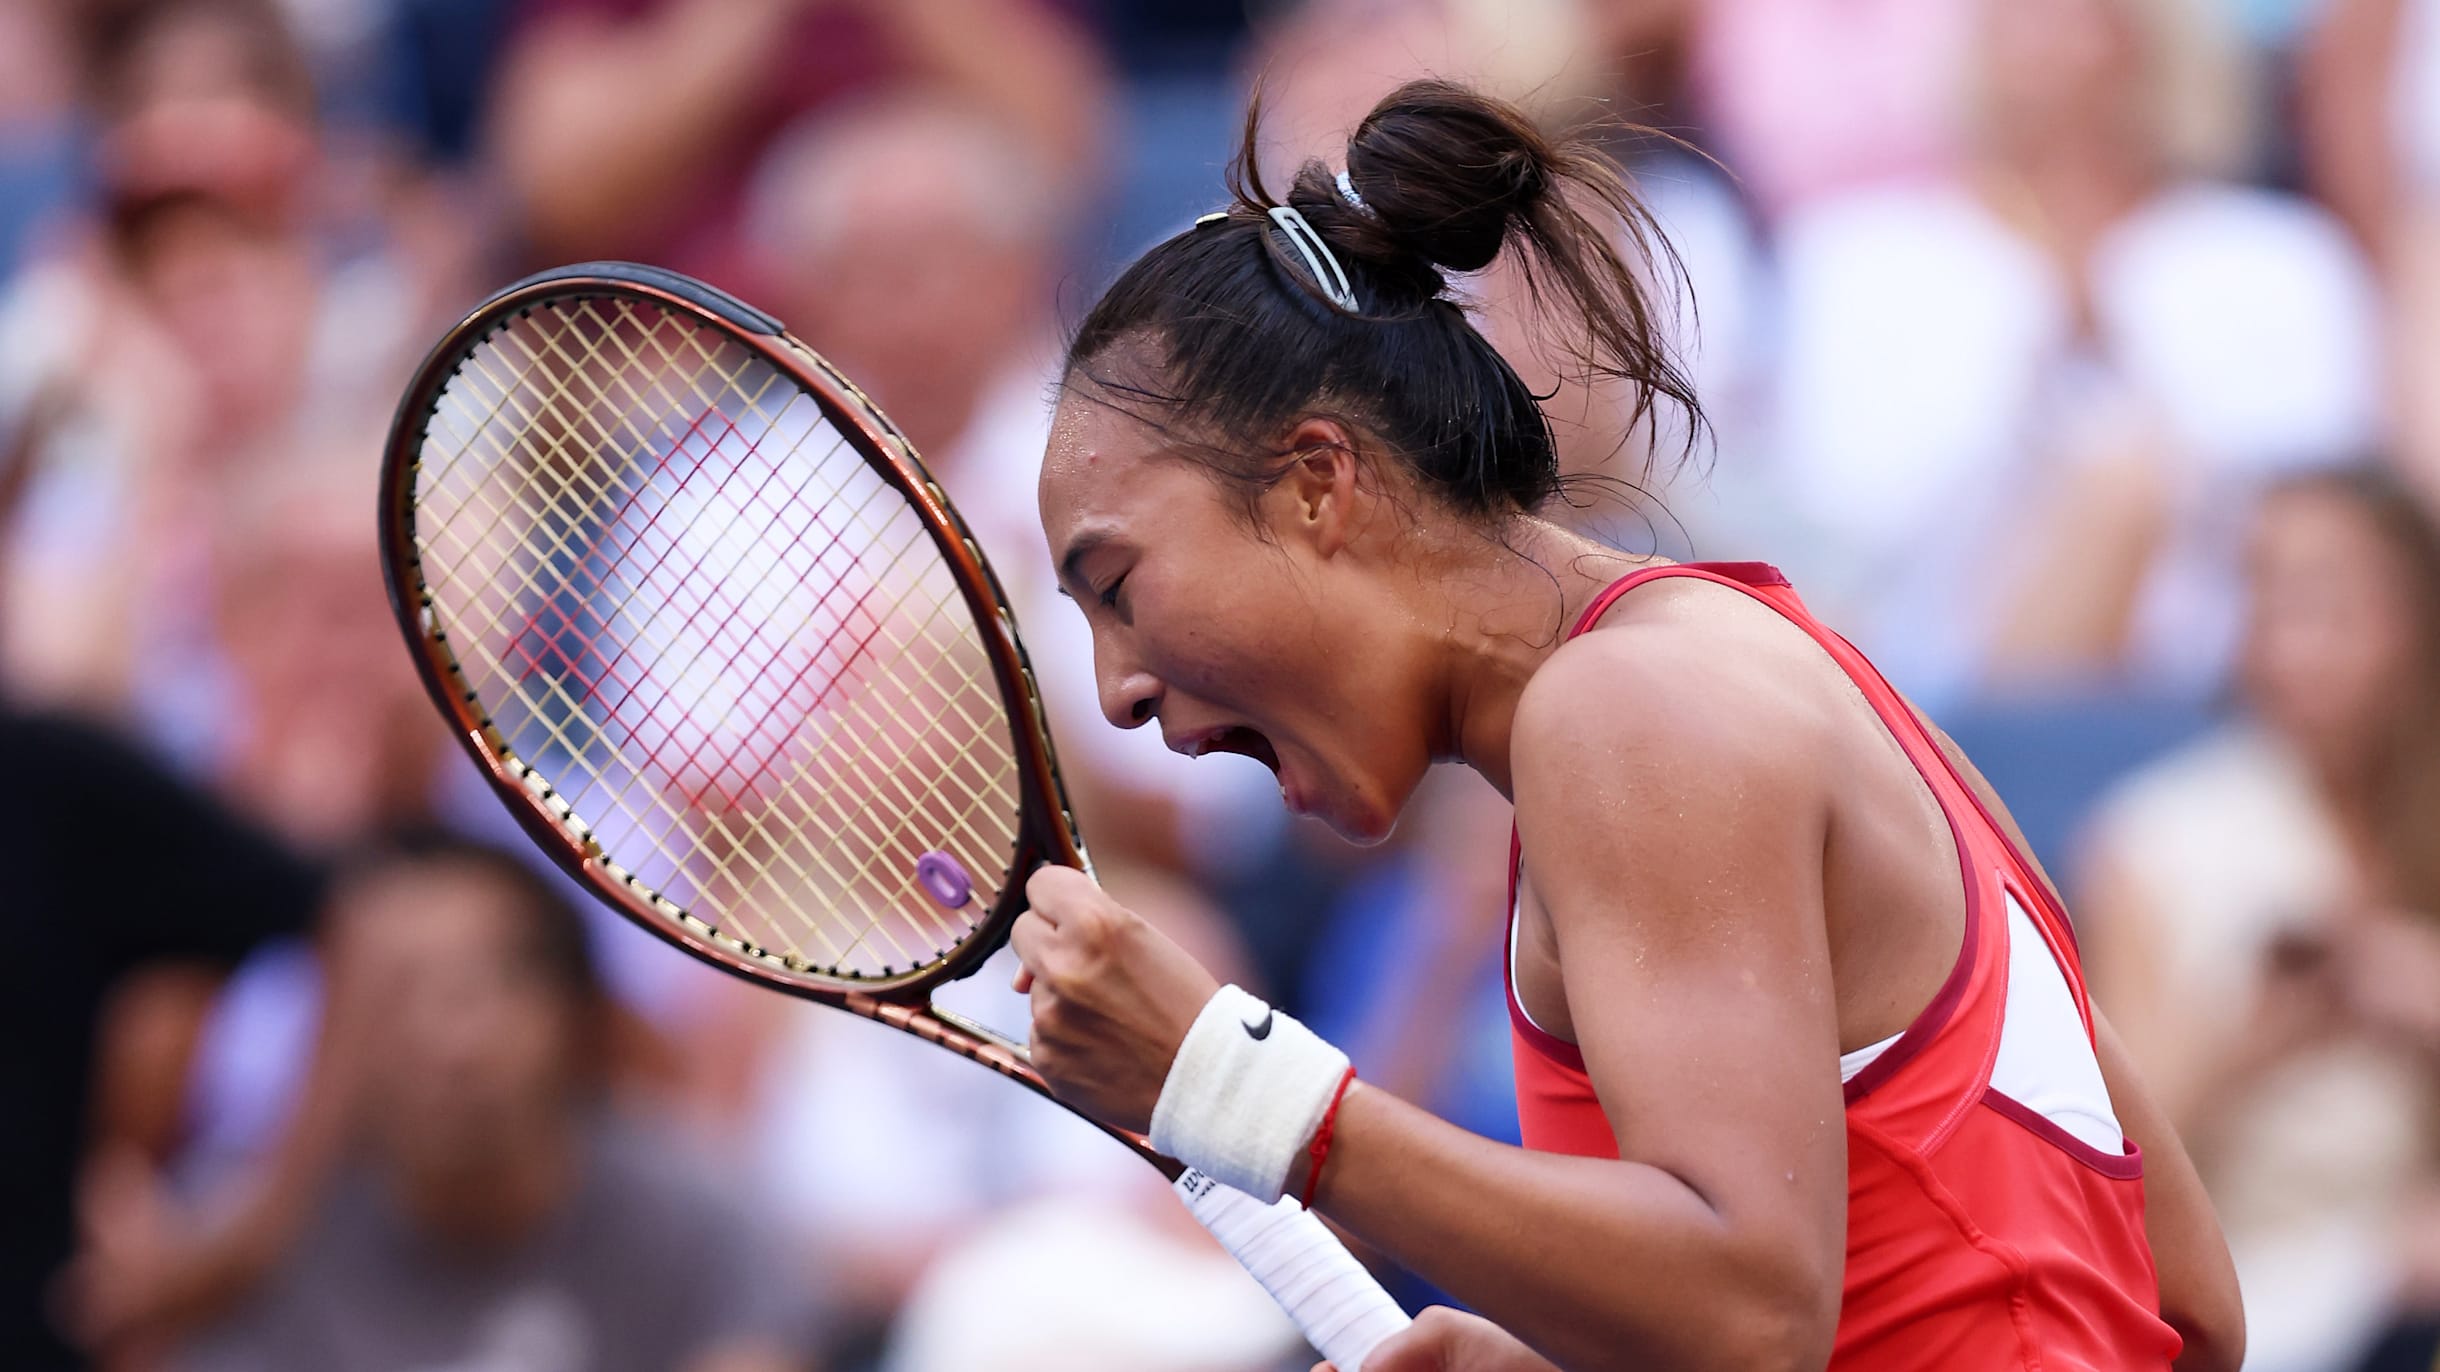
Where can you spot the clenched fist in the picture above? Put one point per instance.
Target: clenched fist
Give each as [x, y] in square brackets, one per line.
[1112, 997]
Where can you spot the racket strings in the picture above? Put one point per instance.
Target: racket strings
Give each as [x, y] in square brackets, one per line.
[731, 646]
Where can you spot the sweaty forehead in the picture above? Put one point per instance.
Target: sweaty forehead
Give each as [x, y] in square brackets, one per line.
[1098, 465]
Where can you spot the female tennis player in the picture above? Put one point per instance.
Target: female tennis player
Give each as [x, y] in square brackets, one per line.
[1805, 1067]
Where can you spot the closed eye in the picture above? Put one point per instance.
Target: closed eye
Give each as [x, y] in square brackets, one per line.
[1109, 594]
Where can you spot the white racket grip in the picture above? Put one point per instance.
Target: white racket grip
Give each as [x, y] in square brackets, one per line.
[1343, 1312]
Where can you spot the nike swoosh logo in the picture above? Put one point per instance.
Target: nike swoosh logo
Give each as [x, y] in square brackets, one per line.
[1262, 1030]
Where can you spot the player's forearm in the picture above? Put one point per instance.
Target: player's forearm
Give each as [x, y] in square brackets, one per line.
[596, 123]
[1596, 1263]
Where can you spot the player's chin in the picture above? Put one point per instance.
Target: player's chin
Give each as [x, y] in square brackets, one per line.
[1355, 815]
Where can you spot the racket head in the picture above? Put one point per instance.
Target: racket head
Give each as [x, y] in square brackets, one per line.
[716, 638]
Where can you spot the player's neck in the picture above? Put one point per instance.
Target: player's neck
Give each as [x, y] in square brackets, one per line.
[1507, 618]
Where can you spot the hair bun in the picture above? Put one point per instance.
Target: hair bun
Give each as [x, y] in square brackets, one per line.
[1448, 172]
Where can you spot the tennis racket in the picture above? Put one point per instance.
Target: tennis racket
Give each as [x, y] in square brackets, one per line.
[733, 660]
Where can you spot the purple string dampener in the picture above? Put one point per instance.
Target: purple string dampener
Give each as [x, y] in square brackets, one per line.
[944, 879]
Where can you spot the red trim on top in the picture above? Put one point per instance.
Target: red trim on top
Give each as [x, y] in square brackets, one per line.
[2126, 1166]
[1936, 1013]
[1750, 573]
[1744, 575]
[1543, 1041]
[2039, 899]
[1943, 1005]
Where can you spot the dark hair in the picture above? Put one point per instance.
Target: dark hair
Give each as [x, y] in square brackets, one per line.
[1241, 341]
[551, 938]
[111, 35]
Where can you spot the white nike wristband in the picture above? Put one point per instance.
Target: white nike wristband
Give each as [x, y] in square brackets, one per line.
[1246, 1093]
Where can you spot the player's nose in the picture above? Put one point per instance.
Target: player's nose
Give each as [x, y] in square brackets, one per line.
[1130, 696]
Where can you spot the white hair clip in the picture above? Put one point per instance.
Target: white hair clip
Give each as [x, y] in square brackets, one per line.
[1328, 275]
[1347, 192]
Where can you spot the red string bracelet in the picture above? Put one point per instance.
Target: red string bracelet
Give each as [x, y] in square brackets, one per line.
[1321, 1139]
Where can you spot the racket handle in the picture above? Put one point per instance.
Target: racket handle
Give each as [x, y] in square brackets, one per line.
[1341, 1309]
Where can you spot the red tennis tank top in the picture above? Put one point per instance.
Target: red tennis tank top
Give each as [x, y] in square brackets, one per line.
[1980, 1236]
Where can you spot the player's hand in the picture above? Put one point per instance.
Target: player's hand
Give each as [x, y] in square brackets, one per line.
[1112, 997]
[1446, 1340]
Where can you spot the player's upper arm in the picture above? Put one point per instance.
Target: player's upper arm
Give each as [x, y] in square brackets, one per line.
[1672, 820]
[2198, 1281]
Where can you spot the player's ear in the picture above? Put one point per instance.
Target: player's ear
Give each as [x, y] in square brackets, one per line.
[1319, 492]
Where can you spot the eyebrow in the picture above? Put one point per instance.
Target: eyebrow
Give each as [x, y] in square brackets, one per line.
[1071, 566]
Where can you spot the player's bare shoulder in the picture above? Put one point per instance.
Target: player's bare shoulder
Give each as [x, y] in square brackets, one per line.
[1684, 685]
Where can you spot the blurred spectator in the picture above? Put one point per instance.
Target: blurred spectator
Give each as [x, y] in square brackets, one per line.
[114, 867]
[2370, 123]
[630, 128]
[1809, 98]
[38, 169]
[2019, 413]
[316, 721]
[915, 242]
[2357, 120]
[2263, 914]
[200, 96]
[469, 1198]
[148, 363]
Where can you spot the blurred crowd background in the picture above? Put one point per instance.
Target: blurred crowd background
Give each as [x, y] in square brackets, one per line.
[2080, 357]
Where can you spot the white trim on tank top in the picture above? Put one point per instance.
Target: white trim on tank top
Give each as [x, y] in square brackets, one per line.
[2045, 1061]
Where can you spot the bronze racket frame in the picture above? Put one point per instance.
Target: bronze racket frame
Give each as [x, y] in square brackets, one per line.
[1046, 824]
